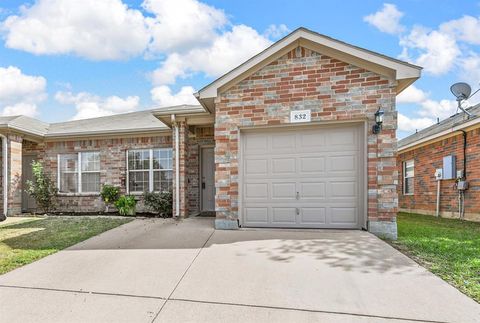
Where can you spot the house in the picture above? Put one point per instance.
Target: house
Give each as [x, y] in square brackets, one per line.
[450, 149]
[284, 140]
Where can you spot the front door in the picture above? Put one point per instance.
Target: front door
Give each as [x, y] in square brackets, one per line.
[28, 202]
[208, 179]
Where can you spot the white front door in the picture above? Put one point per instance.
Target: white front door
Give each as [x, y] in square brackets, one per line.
[208, 179]
[306, 177]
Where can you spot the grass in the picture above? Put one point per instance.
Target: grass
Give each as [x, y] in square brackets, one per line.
[447, 247]
[27, 241]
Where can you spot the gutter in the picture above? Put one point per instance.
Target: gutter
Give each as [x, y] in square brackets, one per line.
[3, 216]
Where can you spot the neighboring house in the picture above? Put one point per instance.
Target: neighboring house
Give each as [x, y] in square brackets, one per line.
[452, 146]
[283, 140]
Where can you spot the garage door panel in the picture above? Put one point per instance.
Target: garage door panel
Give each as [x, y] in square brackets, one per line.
[313, 215]
[256, 191]
[346, 189]
[255, 144]
[284, 215]
[345, 163]
[323, 165]
[312, 164]
[312, 190]
[256, 167]
[343, 215]
[283, 143]
[283, 191]
[344, 137]
[284, 165]
[311, 140]
[256, 215]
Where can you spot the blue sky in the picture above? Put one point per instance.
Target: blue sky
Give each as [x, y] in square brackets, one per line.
[61, 60]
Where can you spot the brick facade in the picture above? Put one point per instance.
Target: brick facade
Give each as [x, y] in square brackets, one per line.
[333, 91]
[430, 157]
[112, 165]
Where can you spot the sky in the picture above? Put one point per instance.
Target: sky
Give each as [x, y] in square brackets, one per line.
[72, 59]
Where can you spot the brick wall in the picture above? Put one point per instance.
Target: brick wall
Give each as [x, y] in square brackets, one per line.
[430, 157]
[332, 90]
[112, 164]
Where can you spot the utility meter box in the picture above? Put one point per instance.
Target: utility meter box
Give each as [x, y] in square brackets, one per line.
[462, 185]
[449, 167]
[438, 174]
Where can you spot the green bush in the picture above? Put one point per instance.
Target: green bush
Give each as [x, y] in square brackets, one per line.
[42, 188]
[159, 203]
[126, 205]
[110, 195]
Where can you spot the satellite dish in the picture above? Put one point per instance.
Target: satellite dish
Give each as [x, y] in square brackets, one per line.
[461, 90]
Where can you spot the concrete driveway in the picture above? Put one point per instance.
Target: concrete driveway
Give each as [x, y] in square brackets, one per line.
[164, 271]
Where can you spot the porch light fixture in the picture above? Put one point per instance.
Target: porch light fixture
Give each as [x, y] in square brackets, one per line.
[378, 121]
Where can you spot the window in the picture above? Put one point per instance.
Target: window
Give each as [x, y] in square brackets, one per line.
[408, 177]
[75, 179]
[149, 170]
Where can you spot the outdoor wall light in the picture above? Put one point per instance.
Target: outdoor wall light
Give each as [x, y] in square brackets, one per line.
[378, 121]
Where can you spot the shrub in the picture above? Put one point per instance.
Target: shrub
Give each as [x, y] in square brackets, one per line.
[42, 188]
[126, 205]
[110, 195]
[159, 203]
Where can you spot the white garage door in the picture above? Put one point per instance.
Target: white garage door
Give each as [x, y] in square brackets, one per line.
[309, 177]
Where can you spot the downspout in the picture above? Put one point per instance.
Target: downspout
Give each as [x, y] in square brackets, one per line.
[3, 217]
[461, 196]
[177, 168]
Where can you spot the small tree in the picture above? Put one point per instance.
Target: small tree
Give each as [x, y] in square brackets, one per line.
[159, 203]
[110, 195]
[42, 188]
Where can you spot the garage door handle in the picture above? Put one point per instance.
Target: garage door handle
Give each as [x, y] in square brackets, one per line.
[297, 210]
[297, 196]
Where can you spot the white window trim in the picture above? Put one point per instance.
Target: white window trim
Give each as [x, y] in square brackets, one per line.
[405, 176]
[150, 169]
[79, 173]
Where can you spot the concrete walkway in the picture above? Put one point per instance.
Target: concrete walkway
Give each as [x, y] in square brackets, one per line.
[164, 271]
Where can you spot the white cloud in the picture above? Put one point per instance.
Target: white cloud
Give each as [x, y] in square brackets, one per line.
[465, 29]
[436, 51]
[276, 31]
[90, 106]
[98, 30]
[162, 96]
[387, 19]
[438, 109]
[412, 94]
[22, 108]
[427, 110]
[226, 52]
[20, 93]
[412, 124]
[182, 24]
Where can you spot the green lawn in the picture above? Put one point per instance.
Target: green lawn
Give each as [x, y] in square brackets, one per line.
[24, 242]
[449, 248]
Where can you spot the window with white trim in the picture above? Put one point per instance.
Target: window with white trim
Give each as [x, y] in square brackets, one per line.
[408, 177]
[149, 170]
[75, 179]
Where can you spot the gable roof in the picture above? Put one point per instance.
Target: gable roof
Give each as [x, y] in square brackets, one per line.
[448, 126]
[404, 73]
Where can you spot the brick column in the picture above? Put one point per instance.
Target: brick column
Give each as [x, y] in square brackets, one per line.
[14, 192]
[183, 156]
